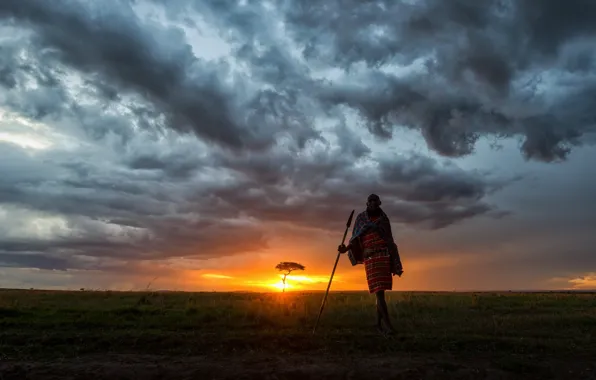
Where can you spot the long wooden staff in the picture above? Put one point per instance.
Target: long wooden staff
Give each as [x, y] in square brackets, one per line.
[333, 272]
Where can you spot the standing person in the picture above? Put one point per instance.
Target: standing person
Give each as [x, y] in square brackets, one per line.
[372, 244]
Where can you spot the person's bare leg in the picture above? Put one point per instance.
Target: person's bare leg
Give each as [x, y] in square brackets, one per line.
[382, 311]
[379, 319]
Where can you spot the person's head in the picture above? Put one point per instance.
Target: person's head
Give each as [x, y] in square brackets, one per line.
[373, 202]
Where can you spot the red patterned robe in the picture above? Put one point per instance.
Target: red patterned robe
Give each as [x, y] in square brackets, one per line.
[373, 245]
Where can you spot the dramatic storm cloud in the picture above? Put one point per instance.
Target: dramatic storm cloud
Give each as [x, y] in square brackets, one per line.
[145, 131]
[467, 69]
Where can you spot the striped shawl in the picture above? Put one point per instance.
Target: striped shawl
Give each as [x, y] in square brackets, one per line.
[362, 225]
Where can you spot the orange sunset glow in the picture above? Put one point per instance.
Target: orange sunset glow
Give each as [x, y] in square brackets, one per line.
[271, 282]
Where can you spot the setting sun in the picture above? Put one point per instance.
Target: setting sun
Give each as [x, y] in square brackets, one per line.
[297, 282]
[280, 285]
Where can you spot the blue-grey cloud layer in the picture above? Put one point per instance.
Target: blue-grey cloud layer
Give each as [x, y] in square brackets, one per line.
[500, 68]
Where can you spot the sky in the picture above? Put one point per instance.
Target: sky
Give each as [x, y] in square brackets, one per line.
[193, 145]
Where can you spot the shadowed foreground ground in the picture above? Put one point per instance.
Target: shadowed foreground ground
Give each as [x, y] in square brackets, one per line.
[130, 335]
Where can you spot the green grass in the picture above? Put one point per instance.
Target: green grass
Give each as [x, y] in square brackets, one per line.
[46, 324]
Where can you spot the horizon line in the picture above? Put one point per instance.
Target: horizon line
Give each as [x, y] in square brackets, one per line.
[308, 290]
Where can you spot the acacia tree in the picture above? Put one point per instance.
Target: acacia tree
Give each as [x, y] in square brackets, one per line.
[288, 267]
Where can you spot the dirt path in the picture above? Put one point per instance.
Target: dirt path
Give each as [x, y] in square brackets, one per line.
[120, 367]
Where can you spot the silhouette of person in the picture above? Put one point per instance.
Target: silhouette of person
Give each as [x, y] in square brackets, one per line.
[372, 244]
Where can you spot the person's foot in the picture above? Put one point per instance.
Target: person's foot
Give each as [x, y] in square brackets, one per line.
[389, 330]
[391, 333]
[381, 331]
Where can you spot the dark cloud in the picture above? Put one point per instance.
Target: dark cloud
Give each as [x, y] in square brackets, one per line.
[445, 120]
[350, 143]
[112, 213]
[425, 181]
[551, 23]
[164, 207]
[35, 260]
[156, 64]
[473, 59]
[416, 190]
[173, 164]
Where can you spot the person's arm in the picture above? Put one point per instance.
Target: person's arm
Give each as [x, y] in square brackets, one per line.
[398, 270]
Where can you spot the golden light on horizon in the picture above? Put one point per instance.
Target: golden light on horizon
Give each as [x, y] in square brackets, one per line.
[298, 281]
[216, 276]
[292, 282]
[280, 285]
[263, 281]
[312, 279]
[584, 282]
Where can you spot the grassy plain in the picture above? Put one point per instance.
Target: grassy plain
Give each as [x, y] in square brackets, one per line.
[103, 334]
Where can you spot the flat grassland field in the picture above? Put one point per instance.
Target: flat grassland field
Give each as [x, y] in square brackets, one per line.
[178, 335]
